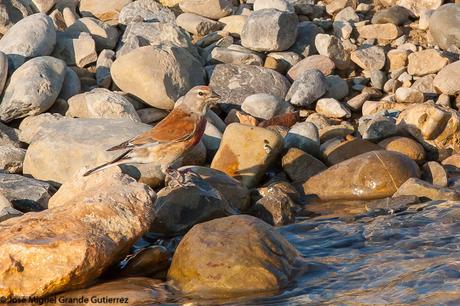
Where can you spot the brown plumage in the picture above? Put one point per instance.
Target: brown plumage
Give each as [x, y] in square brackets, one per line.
[171, 138]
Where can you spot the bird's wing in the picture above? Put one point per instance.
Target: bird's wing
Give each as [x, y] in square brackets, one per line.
[177, 126]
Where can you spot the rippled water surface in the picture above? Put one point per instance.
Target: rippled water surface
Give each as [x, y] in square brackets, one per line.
[409, 257]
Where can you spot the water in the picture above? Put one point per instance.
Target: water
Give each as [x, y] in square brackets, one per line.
[409, 257]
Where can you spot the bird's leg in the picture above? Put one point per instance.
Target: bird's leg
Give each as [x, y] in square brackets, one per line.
[181, 178]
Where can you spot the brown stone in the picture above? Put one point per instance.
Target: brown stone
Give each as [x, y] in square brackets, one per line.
[348, 149]
[434, 173]
[372, 175]
[426, 62]
[406, 146]
[397, 59]
[386, 31]
[232, 255]
[300, 165]
[319, 62]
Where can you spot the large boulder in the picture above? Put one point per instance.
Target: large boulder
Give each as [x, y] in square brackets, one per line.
[447, 81]
[92, 224]
[372, 175]
[232, 255]
[234, 83]
[33, 88]
[445, 25]
[159, 75]
[33, 36]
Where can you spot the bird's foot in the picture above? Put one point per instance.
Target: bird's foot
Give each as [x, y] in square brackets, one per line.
[181, 178]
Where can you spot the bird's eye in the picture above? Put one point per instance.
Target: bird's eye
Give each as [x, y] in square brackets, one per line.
[200, 93]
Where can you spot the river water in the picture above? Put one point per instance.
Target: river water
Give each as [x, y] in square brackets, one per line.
[410, 256]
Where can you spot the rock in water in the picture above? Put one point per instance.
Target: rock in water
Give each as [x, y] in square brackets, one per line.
[33, 88]
[158, 75]
[93, 223]
[31, 37]
[232, 255]
[372, 175]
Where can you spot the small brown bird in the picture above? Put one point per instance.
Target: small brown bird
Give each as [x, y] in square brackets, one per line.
[172, 137]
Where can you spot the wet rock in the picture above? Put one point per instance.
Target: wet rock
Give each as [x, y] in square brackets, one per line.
[332, 108]
[396, 15]
[31, 37]
[147, 10]
[105, 36]
[435, 174]
[300, 166]
[213, 9]
[208, 259]
[447, 80]
[11, 159]
[318, 62]
[101, 103]
[236, 82]
[409, 95]
[444, 25]
[336, 150]
[157, 85]
[377, 127]
[248, 159]
[307, 89]
[107, 11]
[275, 207]
[24, 193]
[79, 51]
[386, 31]
[331, 46]
[197, 25]
[144, 262]
[406, 146]
[369, 57]
[304, 136]
[264, 106]
[426, 62]
[33, 88]
[371, 175]
[104, 216]
[279, 28]
[422, 189]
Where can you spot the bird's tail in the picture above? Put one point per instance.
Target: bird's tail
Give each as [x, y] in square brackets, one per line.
[118, 160]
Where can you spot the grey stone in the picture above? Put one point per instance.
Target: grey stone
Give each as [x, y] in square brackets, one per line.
[105, 35]
[304, 136]
[378, 78]
[445, 25]
[306, 35]
[79, 51]
[331, 46]
[197, 24]
[33, 88]
[447, 80]
[264, 106]
[147, 10]
[377, 127]
[71, 85]
[11, 159]
[369, 57]
[337, 87]
[236, 82]
[308, 88]
[212, 138]
[3, 71]
[280, 5]
[12, 11]
[103, 65]
[150, 115]
[279, 28]
[347, 14]
[234, 56]
[397, 15]
[213, 9]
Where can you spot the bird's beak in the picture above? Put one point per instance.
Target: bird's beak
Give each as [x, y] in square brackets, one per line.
[214, 98]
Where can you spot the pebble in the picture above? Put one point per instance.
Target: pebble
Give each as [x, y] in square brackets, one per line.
[197, 24]
[426, 62]
[307, 89]
[319, 62]
[406, 146]
[213, 9]
[331, 46]
[377, 127]
[332, 108]
[264, 106]
[304, 136]
[146, 10]
[386, 31]
[409, 95]
[396, 15]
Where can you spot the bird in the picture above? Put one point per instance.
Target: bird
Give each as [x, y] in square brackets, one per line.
[171, 138]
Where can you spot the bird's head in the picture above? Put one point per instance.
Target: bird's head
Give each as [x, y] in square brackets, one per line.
[199, 99]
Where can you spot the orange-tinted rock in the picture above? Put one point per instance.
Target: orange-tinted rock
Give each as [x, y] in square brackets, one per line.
[406, 146]
[337, 153]
[368, 176]
[300, 165]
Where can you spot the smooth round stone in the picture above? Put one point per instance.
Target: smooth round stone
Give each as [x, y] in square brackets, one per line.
[263, 106]
[213, 9]
[335, 150]
[300, 165]
[434, 173]
[208, 260]
[304, 136]
[406, 146]
[445, 25]
[397, 15]
[319, 62]
[280, 5]
[372, 175]
[447, 80]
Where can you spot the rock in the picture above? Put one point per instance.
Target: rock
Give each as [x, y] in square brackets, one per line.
[378, 78]
[369, 58]
[236, 82]
[248, 159]
[356, 103]
[150, 260]
[234, 24]
[197, 25]
[157, 85]
[347, 14]
[179, 208]
[6, 210]
[280, 5]
[409, 95]
[396, 15]
[435, 174]
[386, 31]
[30, 126]
[24, 193]
[264, 106]
[107, 12]
[208, 258]
[70, 87]
[151, 115]
[101, 103]
[147, 10]
[444, 25]
[336, 151]
[397, 59]
[31, 37]
[33, 88]
[307, 89]
[373, 107]
[3, 71]
[331, 46]
[447, 80]
[372, 175]
[11, 12]
[232, 55]
[213, 9]
[103, 215]
[276, 207]
[337, 88]
[425, 85]
[280, 30]
[306, 36]
[300, 166]
[338, 131]
[332, 108]
[105, 36]
[318, 62]
[103, 65]
[11, 159]
[406, 146]
[421, 189]
[304, 136]
[377, 127]
[79, 51]
[342, 29]
[418, 6]
[425, 62]
[82, 143]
